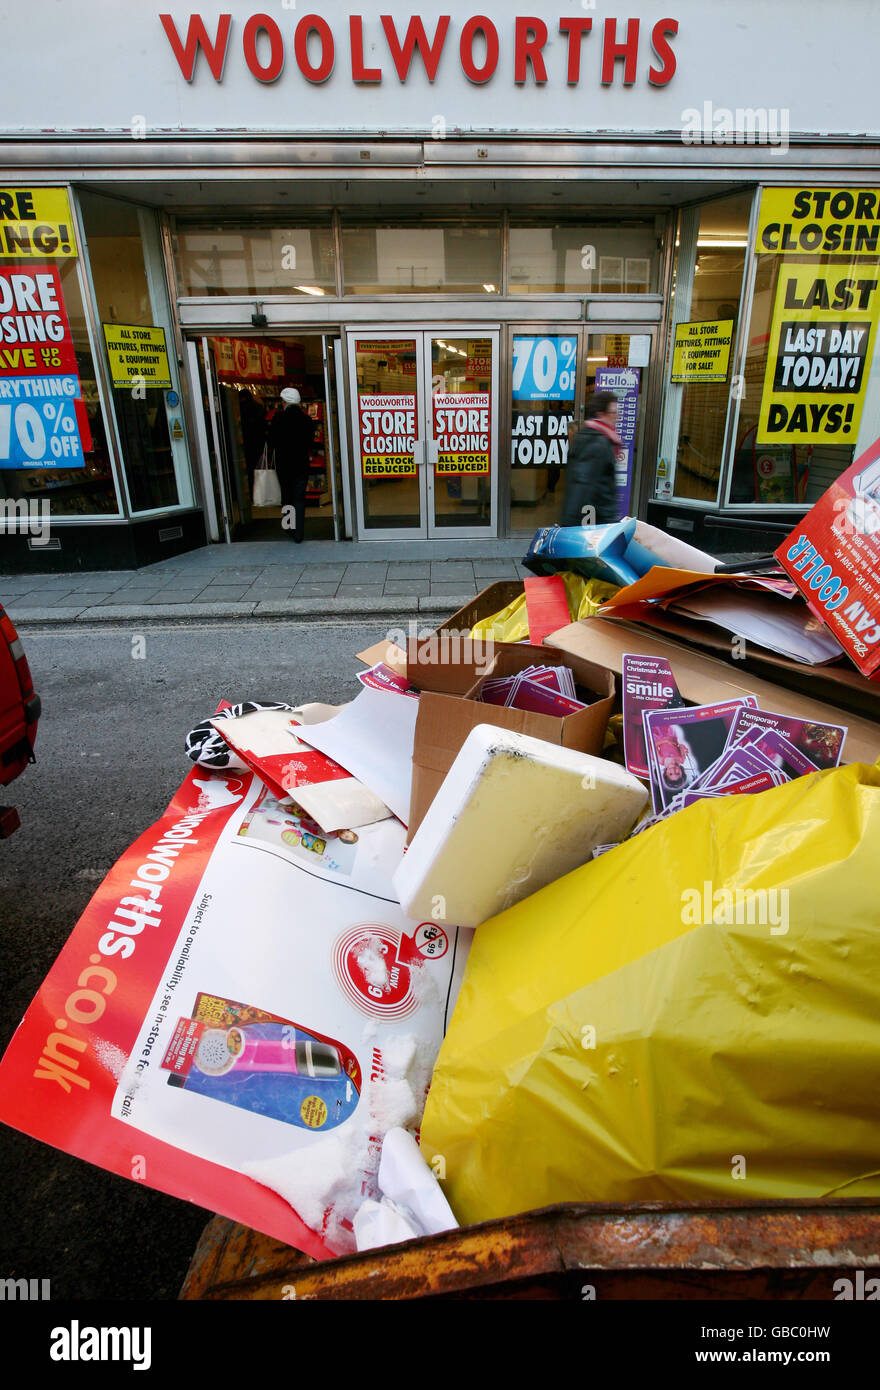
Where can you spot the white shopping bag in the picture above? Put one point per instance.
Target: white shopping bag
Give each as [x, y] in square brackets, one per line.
[267, 489]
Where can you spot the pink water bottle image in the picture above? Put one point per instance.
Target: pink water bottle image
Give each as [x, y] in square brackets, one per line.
[223, 1050]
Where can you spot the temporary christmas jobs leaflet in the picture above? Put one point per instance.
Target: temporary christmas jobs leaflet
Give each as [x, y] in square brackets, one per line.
[225, 1000]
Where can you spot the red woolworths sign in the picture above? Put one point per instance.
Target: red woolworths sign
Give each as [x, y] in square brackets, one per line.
[619, 50]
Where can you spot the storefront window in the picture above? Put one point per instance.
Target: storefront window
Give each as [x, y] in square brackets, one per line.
[418, 259]
[813, 320]
[253, 260]
[543, 389]
[584, 259]
[53, 449]
[142, 369]
[710, 261]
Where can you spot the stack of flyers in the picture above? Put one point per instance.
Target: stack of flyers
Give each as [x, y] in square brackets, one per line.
[537, 689]
[761, 750]
[683, 746]
[648, 684]
[820, 744]
[694, 752]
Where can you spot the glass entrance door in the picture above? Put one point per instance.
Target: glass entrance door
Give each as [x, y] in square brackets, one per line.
[424, 423]
[618, 361]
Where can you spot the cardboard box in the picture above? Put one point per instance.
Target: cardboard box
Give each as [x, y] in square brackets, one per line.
[839, 683]
[488, 601]
[446, 716]
[450, 644]
[704, 679]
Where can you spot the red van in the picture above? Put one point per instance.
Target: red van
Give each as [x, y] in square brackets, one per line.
[19, 713]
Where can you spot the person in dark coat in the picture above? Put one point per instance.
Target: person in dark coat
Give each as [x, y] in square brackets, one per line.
[291, 435]
[253, 432]
[589, 477]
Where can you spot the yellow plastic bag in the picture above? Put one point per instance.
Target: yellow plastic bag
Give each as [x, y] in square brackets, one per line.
[611, 1044]
[511, 624]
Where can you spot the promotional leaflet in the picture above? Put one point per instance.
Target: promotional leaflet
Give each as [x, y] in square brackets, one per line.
[821, 744]
[648, 683]
[238, 994]
[684, 743]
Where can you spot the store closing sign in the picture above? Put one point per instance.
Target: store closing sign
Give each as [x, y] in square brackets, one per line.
[387, 433]
[544, 378]
[35, 223]
[463, 433]
[819, 219]
[821, 343]
[43, 423]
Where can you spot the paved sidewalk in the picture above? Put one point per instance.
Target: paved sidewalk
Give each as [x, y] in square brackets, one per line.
[267, 579]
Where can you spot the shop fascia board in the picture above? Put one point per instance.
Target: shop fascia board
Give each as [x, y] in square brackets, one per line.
[539, 157]
[215, 315]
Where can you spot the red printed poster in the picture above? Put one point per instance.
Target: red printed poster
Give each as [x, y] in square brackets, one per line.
[463, 431]
[388, 434]
[240, 994]
[833, 556]
[43, 422]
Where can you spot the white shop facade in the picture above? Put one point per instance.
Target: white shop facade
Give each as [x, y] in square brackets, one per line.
[446, 231]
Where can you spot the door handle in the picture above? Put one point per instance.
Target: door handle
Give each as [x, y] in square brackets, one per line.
[418, 451]
[433, 451]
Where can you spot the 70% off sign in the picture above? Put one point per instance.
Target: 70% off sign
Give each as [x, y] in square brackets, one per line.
[42, 435]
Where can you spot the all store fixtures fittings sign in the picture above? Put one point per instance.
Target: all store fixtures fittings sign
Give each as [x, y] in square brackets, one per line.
[622, 50]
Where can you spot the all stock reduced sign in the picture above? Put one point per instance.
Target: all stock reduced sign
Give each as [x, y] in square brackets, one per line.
[544, 378]
[43, 423]
[821, 343]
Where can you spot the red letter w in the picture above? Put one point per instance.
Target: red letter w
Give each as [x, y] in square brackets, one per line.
[416, 38]
[196, 38]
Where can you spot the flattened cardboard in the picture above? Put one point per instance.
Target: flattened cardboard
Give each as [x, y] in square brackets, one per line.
[394, 657]
[447, 717]
[840, 683]
[490, 600]
[705, 680]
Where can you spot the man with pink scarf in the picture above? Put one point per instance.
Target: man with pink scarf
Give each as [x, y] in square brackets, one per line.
[589, 477]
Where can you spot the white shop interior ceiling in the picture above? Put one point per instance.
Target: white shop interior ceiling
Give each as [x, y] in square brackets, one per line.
[112, 64]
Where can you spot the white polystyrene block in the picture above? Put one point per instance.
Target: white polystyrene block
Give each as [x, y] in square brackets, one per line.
[513, 814]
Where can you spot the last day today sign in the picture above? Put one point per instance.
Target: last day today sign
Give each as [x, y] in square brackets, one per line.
[821, 344]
